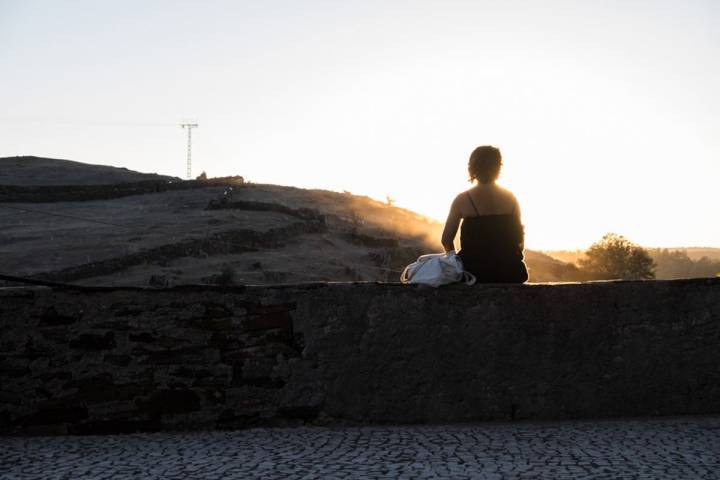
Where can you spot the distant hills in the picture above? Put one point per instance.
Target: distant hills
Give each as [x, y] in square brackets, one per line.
[695, 253]
[670, 263]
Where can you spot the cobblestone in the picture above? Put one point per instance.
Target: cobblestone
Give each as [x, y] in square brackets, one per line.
[674, 448]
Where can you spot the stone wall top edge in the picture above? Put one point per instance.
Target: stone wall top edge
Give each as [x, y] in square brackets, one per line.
[15, 290]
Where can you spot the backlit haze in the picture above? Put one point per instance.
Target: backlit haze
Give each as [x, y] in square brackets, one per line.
[606, 112]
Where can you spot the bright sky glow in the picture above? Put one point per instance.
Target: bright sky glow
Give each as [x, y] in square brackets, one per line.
[607, 112]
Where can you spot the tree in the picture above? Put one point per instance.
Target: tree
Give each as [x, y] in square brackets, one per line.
[614, 256]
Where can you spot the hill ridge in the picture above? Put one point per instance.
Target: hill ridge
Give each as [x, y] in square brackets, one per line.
[31, 170]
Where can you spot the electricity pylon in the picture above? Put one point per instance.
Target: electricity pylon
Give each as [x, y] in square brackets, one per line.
[189, 127]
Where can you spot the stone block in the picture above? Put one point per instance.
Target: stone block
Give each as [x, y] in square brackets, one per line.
[170, 401]
[143, 337]
[53, 416]
[118, 360]
[51, 316]
[94, 341]
[115, 426]
[266, 317]
[191, 355]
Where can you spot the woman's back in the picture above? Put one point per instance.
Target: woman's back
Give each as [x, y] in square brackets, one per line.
[489, 249]
[491, 243]
[489, 199]
[491, 234]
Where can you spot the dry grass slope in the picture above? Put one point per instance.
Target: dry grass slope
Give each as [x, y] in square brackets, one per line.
[247, 234]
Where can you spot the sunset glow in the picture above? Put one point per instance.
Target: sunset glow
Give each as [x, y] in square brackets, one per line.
[607, 113]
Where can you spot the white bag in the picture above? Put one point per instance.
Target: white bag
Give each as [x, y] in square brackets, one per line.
[437, 269]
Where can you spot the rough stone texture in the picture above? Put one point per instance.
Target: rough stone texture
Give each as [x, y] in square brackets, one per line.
[648, 449]
[123, 360]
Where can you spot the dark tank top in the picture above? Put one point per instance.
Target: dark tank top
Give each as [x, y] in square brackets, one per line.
[490, 247]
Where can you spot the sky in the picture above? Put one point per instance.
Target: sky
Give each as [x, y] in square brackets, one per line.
[607, 112]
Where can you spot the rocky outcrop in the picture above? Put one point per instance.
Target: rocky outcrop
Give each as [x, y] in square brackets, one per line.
[120, 360]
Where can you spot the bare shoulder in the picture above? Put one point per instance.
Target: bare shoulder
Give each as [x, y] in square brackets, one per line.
[461, 198]
[508, 195]
[461, 204]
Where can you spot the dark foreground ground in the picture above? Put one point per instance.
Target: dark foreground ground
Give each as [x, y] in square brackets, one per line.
[674, 448]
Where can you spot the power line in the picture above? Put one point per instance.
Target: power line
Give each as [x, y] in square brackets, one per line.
[83, 123]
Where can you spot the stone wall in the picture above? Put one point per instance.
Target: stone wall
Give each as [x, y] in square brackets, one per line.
[78, 193]
[120, 360]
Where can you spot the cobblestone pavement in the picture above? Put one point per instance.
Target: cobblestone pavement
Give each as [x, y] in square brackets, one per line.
[676, 448]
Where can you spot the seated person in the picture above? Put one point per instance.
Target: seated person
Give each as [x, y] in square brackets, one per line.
[492, 236]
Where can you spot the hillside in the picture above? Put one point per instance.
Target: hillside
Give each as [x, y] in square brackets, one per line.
[247, 234]
[696, 253]
[29, 170]
[670, 263]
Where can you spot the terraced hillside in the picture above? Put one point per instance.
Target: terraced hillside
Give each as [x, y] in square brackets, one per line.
[219, 231]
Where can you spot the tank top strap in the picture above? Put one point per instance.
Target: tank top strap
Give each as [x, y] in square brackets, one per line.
[473, 204]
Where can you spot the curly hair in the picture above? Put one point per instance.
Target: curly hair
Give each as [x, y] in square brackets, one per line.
[484, 164]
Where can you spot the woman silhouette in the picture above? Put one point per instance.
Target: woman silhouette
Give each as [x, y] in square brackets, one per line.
[492, 236]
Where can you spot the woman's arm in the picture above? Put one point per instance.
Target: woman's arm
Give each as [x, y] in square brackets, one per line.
[451, 225]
